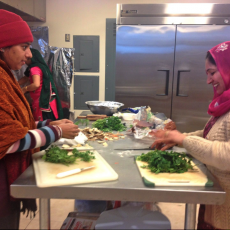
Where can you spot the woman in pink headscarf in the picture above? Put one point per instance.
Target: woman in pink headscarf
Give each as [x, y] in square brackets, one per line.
[211, 145]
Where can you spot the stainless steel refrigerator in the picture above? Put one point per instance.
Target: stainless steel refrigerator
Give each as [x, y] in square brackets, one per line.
[160, 58]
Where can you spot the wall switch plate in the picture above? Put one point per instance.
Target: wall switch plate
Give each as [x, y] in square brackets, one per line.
[67, 37]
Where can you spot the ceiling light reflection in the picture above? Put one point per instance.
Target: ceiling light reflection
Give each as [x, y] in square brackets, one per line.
[189, 8]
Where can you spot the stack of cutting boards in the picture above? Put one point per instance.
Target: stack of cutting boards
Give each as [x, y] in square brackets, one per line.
[93, 117]
[46, 172]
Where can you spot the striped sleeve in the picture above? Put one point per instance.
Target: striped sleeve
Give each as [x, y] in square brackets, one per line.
[37, 138]
[40, 124]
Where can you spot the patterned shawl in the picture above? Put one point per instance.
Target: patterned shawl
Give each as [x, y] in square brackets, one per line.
[15, 121]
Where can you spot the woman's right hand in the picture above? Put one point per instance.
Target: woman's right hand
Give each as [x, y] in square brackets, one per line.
[158, 144]
[69, 130]
[62, 121]
[167, 137]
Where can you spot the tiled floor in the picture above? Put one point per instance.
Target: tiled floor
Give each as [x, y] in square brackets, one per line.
[61, 207]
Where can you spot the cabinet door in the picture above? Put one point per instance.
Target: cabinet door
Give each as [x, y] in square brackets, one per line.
[144, 66]
[191, 94]
[86, 88]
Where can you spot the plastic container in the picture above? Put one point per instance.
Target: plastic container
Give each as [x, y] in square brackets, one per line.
[132, 218]
[128, 116]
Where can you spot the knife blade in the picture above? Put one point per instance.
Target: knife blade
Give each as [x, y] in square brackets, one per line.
[71, 172]
[83, 149]
[135, 148]
[140, 148]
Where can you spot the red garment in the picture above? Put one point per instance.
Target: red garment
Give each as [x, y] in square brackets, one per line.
[209, 125]
[35, 96]
[13, 29]
[16, 120]
[221, 103]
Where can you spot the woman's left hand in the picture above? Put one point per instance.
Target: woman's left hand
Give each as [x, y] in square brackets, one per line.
[60, 122]
[169, 138]
[170, 126]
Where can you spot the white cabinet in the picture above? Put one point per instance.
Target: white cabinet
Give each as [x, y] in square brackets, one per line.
[29, 10]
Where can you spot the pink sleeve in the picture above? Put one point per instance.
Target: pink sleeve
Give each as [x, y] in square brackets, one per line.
[36, 71]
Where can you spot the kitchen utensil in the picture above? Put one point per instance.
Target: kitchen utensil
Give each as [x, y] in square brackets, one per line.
[134, 149]
[80, 149]
[196, 177]
[104, 107]
[93, 117]
[149, 148]
[91, 149]
[71, 172]
[46, 172]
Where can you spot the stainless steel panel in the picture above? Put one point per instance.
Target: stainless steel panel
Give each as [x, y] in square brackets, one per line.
[144, 66]
[174, 20]
[188, 13]
[191, 94]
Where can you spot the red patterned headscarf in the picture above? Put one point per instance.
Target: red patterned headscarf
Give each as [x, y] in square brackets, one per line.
[221, 102]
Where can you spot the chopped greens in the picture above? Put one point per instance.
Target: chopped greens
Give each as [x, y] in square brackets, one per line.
[165, 161]
[109, 124]
[56, 155]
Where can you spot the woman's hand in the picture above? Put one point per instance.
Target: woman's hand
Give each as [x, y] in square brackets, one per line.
[24, 89]
[69, 130]
[170, 125]
[59, 122]
[23, 80]
[158, 144]
[167, 137]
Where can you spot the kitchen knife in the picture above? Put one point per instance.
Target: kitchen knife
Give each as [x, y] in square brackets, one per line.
[71, 172]
[135, 149]
[83, 149]
[140, 148]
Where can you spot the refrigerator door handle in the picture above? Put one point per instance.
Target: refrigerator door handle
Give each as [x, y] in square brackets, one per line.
[166, 84]
[178, 84]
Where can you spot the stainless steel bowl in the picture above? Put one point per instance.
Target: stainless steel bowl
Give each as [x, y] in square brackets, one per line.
[104, 107]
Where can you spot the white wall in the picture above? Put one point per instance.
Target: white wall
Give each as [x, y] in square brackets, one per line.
[88, 17]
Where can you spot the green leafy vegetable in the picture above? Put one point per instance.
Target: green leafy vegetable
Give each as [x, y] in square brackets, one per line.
[82, 121]
[56, 155]
[165, 161]
[109, 124]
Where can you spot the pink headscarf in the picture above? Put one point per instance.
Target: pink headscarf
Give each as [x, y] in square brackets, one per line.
[221, 102]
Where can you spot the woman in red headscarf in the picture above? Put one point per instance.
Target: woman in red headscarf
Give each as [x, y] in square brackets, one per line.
[211, 146]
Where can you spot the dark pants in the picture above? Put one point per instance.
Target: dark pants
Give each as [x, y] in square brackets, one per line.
[201, 223]
[9, 210]
[11, 221]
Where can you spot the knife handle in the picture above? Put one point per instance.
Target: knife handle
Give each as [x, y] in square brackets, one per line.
[68, 173]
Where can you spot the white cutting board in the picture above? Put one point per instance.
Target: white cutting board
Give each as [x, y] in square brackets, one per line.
[45, 172]
[190, 178]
